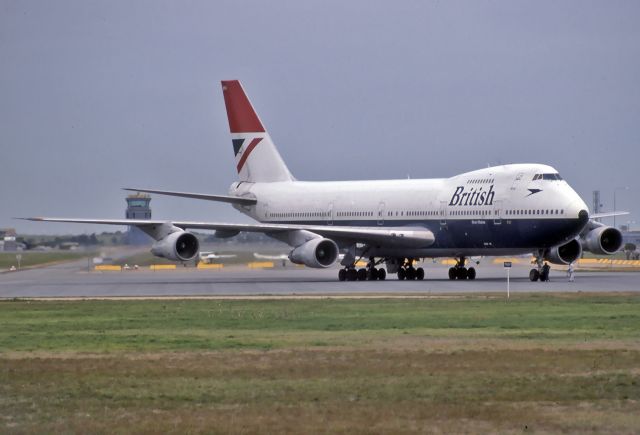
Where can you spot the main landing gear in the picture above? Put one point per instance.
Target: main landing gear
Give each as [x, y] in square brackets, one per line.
[408, 272]
[460, 272]
[404, 267]
[370, 273]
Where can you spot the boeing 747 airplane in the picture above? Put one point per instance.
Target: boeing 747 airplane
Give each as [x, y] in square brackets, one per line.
[504, 210]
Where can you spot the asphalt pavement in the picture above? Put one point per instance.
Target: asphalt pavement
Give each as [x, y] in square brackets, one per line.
[74, 280]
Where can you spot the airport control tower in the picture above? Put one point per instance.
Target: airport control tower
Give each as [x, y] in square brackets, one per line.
[138, 208]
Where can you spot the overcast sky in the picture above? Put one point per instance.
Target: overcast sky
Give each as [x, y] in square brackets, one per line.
[99, 95]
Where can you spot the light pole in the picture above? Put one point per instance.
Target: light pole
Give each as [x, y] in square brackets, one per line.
[614, 201]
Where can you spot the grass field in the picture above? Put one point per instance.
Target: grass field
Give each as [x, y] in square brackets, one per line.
[8, 259]
[473, 364]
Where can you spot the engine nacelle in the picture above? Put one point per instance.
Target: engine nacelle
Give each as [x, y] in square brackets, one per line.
[603, 240]
[317, 253]
[564, 254]
[178, 246]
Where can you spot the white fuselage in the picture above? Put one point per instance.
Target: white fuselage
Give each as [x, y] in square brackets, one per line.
[497, 210]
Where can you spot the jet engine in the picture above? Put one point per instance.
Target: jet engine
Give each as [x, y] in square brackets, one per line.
[564, 254]
[177, 246]
[602, 240]
[317, 253]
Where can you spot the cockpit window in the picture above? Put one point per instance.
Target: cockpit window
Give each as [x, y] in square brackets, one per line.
[551, 177]
[547, 177]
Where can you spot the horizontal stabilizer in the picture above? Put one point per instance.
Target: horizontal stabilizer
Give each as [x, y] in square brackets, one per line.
[219, 198]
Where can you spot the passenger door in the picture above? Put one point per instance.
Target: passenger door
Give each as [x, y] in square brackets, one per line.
[497, 212]
[381, 207]
[443, 213]
[517, 181]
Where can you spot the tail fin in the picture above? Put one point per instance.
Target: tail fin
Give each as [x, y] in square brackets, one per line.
[257, 159]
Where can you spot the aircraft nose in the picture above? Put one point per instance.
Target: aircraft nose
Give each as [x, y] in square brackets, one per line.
[578, 215]
[579, 209]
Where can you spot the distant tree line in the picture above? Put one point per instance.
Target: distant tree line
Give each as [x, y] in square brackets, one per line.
[102, 239]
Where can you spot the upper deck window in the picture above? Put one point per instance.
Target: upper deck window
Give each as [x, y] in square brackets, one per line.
[547, 177]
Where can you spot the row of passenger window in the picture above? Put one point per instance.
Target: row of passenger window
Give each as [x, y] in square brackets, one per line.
[417, 213]
[481, 181]
[321, 214]
[470, 213]
[300, 214]
[354, 213]
[534, 212]
[412, 213]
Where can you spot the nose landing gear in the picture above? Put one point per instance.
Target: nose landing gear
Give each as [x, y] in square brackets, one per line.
[534, 275]
[461, 272]
[541, 272]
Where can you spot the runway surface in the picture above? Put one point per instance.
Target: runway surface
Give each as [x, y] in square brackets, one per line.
[73, 280]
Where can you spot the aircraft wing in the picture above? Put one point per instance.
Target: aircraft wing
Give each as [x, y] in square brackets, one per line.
[415, 237]
[608, 214]
[219, 198]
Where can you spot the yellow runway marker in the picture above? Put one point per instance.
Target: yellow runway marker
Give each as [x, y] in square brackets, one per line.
[588, 261]
[501, 260]
[260, 264]
[209, 266]
[162, 267]
[108, 268]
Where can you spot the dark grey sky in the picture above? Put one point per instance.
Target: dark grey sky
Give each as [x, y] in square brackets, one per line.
[98, 95]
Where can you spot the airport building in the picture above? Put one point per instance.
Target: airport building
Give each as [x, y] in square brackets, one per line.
[8, 240]
[138, 208]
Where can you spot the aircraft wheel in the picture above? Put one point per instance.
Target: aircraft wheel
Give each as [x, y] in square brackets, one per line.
[411, 273]
[352, 275]
[362, 274]
[342, 275]
[419, 274]
[462, 273]
[402, 274]
[471, 273]
[382, 274]
[372, 274]
[452, 273]
[534, 275]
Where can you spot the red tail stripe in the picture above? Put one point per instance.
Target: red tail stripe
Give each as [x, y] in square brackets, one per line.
[242, 117]
[245, 154]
